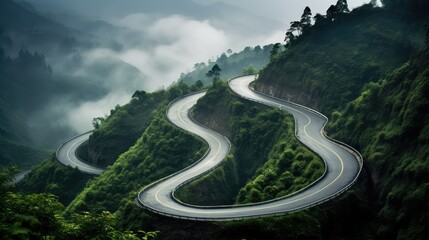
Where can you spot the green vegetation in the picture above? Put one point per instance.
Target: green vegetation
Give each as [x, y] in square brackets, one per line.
[20, 155]
[118, 132]
[344, 64]
[267, 161]
[157, 153]
[52, 177]
[414, 7]
[383, 115]
[218, 187]
[232, 64]
[39, 216]
[293, 226]
[16, 145]
[121, 129]
[388, 114]
[290, 167]
[328, 65]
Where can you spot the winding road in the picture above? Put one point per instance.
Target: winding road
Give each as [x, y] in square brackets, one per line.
[343, 163]
[67, 155]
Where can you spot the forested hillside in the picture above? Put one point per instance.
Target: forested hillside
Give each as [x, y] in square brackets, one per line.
[381, 109]
[328, 65]
[368, 70]
[389, 122]
[52, 177]
[17, 145]
[117, 133]
[156, 153]
[266, 160]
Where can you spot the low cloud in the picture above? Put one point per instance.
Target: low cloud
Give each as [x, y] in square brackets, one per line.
[155, 51]
[178, 43]
[80, 117]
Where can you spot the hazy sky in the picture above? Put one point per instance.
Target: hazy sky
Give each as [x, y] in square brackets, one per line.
[284, 10]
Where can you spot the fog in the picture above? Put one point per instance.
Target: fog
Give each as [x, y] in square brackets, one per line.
[146, 45]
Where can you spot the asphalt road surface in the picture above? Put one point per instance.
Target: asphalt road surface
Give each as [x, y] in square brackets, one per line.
[66, 154]
[343, 164]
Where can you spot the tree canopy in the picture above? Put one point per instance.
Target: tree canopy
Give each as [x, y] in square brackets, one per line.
[214, 73]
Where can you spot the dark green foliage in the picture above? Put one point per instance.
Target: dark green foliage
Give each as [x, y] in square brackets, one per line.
[298, 27]
[277, 48]
[20, 155]
[230, 63]
[289, 168]
[214, 73]
[218, 187]
[415, 7]
[27, 86]
[427, 34]
[250, 70]
[34, 31]
[386, 119]
[265, 151]
[329, 65]
[389, 122]
[157, 153]
[118, 132]
[294, 226]
[342, 6]
[55, 178]
[122, 128]
[39, 216]
[306, 18]
[21, 93]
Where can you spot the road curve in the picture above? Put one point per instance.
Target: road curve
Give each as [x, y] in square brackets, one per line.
[67, 155]
[343, 163]
[18, 177]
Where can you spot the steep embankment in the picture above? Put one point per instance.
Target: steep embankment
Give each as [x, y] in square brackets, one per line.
[116, 134]
[158, 152]
[331, 62]
[55, 178]
[384, 117]
[389, 121]
[262, 164]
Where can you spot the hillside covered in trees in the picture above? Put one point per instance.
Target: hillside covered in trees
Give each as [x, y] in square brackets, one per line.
[368, 70]
[373, 80]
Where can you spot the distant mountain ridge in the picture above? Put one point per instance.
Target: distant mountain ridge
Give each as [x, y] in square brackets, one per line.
[42, 66]
[14, 17]
[220, 14]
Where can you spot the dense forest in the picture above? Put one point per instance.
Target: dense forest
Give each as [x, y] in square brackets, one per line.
[367, 69]
[381, 111]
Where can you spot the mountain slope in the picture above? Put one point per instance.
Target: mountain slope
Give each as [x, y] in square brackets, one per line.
[26, 20]
[381, 99]
[390, 123]
[330, 63]
[261, 165]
